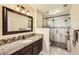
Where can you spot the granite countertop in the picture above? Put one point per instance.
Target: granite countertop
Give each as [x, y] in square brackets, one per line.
[15, 46]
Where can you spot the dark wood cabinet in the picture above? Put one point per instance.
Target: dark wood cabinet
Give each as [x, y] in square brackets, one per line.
[32, 49]
[35, 50]
[26, 49]
[37, 47]
[29, 52]
[16, 53]
[40, 46]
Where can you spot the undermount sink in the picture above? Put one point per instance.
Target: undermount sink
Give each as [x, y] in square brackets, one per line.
[26, 41]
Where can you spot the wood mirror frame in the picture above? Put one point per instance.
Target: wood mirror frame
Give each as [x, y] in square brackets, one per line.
[5, 21]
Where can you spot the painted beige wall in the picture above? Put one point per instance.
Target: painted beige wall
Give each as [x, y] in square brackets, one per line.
[75, 16]
[39, 21]
[14, 7]
[74, 25]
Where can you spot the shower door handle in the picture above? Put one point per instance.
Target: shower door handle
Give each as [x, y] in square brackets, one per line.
[75, 37]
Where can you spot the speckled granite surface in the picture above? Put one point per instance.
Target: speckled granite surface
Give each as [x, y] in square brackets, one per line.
[15, 46]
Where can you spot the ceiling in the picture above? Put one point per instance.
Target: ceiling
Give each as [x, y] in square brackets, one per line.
[52, 9]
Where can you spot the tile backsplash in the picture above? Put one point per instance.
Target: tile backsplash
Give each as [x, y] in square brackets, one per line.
[13, 39]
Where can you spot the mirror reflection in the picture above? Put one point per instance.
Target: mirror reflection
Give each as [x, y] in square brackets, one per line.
[18, 22]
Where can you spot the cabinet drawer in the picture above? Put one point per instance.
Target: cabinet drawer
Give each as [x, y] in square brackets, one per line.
[23, 51]
[40, 40]
[37, 42]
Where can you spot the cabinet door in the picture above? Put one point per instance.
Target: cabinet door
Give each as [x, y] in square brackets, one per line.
[37, 47]
[29, 52]
[35, 50]
[40, 46]
[26, 49]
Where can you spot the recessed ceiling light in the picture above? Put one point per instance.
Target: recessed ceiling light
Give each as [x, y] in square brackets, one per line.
[54, 12]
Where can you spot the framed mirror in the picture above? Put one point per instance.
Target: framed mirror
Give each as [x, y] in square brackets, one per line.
[16, 22]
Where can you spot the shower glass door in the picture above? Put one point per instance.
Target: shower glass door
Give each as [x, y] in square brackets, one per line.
[59, 29]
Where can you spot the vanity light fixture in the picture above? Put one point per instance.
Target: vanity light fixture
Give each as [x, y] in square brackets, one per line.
[23, 10]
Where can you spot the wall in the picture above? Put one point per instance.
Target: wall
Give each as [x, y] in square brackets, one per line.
[74, 25]
[75, 16]
[39, 21]
[46, 42]
[13, 6]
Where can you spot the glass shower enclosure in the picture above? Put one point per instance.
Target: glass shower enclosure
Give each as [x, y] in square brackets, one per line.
[59, 30]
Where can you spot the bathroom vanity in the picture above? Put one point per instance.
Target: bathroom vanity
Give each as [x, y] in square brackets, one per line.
[30, 46]
[32, 49]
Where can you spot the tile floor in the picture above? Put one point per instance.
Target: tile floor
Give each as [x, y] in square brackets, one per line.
[58, 51]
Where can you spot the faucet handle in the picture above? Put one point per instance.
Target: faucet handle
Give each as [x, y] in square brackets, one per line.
[23, 37]
[19, 38]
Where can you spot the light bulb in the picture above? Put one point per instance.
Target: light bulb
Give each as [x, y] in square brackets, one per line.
[28, 13]
[23, 11]
[18, 9]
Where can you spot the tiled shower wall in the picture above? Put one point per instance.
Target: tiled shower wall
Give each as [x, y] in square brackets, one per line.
[58, 34]
[59, 26]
